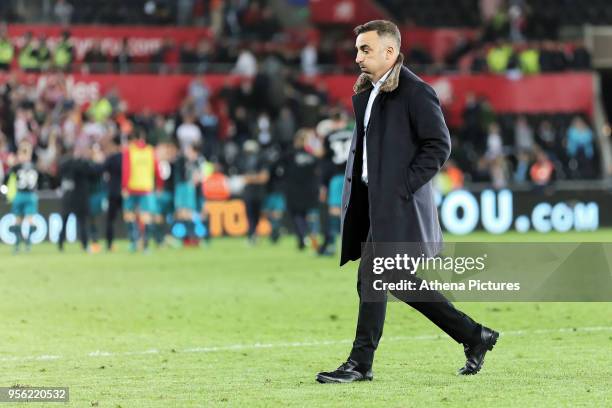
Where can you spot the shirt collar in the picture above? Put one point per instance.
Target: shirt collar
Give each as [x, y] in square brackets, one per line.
[382, 79]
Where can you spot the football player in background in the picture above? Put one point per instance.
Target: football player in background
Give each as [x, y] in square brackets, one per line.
[112, 176]
[255, 176]
[139, 177]
[77, 174]
[164, 215]
[274, 204]
[337, 143]
[187, 176]
[25, 202]
[301, 182]
[206, 169]
[97, 200]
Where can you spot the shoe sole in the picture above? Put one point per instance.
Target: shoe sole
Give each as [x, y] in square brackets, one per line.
[322, 379]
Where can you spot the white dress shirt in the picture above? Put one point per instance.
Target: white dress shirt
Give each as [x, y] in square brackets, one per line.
[366, 120]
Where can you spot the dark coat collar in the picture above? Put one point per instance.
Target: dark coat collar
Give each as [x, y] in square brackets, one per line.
[391, 83]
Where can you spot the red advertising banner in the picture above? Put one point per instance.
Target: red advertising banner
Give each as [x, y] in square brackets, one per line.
[569, 92]
[439, 42]
[157, 93]
[142, 41]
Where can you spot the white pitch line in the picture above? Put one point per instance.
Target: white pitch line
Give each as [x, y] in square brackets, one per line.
[255, 346]
[26, 358]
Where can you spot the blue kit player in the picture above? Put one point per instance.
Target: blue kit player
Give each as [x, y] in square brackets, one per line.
[25, 202]
[337, 145]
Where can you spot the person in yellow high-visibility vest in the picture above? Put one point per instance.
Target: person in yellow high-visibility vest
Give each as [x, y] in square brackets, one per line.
[140, 179]
[63, 55]
[100, 110]
[28, 56]
[529, 60]
[7, 52]
[498, 58]
[43, 55]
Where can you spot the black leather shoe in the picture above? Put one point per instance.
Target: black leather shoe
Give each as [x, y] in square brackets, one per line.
[346, 373]
[475, 353]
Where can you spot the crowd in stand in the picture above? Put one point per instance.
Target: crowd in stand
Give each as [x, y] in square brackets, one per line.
[273, 115]
[510, 39]
[502, 57]
[505, 150]
[272, 102]
[535, 17]
[258, 134]
[268, 138]
[152, 12]
[235, 18]
[270, 109]
[227, 55]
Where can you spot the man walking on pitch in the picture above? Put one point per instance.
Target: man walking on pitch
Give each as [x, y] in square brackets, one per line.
[399, 144]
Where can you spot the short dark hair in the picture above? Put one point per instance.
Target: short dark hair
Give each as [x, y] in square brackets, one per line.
[382, 28]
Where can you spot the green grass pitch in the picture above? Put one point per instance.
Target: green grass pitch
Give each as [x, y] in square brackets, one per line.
[232, 325]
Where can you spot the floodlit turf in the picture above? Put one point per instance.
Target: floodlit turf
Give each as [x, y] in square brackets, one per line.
[232, 325]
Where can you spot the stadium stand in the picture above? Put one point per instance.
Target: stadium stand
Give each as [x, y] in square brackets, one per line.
[444, 13]
[238, 76]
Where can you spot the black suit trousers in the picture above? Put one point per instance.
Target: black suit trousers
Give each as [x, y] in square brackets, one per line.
[371, 317]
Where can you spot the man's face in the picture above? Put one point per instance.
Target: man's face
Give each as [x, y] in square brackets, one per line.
[374, 54]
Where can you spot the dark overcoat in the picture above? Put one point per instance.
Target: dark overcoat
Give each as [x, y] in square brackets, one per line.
[407, 144]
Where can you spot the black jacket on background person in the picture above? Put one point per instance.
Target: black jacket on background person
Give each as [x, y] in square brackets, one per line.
[301, 180]
[253, 164]
[407, 144]
[112, 167]
[76, 176]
